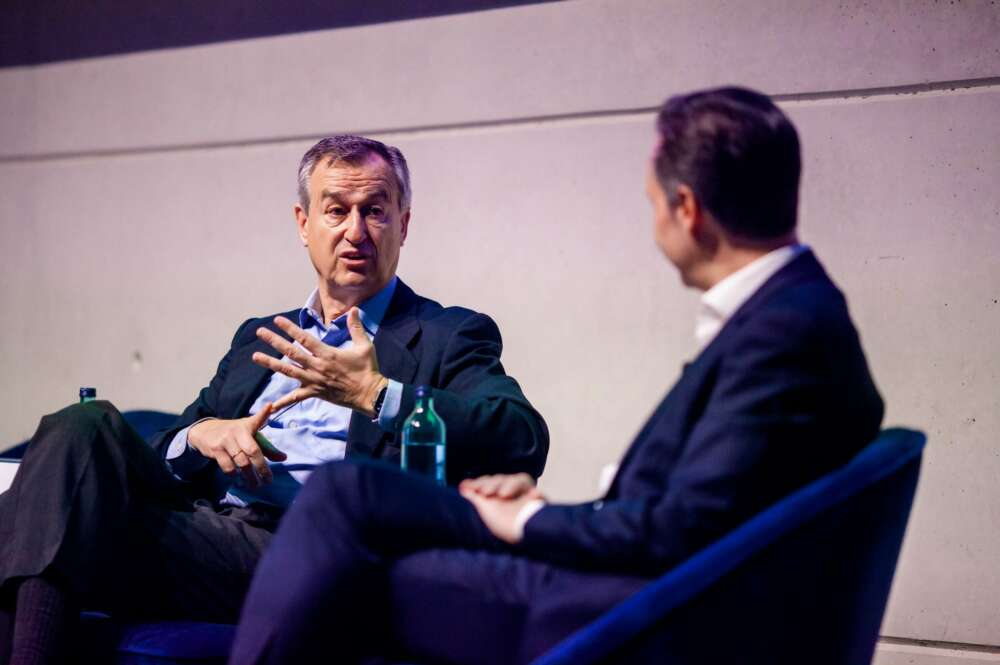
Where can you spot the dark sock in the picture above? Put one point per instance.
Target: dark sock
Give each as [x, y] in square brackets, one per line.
[41, 621]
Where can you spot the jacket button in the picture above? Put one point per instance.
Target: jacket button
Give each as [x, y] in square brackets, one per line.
[598, 505]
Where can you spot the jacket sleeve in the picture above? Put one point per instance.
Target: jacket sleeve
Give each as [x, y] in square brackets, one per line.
[205, 482]
[768, 427]
[492, 428]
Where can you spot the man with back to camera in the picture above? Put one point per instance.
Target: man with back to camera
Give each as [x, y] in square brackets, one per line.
[779, 394]
[97, 518]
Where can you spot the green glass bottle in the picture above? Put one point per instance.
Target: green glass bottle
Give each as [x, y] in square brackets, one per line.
[87, 394]
[424, 439]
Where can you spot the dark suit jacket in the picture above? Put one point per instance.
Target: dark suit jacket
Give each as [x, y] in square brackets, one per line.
[492, 428]
[779, 397]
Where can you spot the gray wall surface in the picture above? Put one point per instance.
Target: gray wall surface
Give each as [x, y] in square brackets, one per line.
[145, 211]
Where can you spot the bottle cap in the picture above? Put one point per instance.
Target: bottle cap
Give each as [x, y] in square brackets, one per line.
[423, 391]
[88, 392]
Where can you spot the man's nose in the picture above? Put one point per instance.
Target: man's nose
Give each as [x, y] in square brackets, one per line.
[357, 229]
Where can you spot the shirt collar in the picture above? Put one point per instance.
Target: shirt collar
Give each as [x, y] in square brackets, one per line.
[372, 310]
[722, 300]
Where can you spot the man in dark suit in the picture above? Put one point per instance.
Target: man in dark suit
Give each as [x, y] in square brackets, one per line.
[97, 518]
[779, 394]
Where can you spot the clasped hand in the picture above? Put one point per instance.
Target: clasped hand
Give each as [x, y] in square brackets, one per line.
[348, 377]
[498, 499]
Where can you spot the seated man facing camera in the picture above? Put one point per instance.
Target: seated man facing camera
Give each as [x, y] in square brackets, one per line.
[492, 573]
[96, 518]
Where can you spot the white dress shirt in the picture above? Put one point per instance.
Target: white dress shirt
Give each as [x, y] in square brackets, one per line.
[722, 300]
[717, 305]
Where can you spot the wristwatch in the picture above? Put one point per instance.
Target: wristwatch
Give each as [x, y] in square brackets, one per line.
[377, 404]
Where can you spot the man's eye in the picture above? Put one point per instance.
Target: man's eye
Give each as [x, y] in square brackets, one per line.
[336, 212]
[375, 211]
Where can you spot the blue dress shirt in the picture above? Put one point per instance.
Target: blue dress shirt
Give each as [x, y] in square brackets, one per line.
[310, 432]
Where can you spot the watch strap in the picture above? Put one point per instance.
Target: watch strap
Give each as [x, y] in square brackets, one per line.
[379, 399]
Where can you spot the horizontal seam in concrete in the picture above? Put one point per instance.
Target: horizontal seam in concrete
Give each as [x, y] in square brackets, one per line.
[934, 644]
[891, 91]
[789, 99]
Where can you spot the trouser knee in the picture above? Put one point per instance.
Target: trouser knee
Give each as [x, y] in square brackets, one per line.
[79, 426]
[82, 417]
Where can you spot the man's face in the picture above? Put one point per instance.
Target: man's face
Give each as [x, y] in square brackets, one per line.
[354, 227]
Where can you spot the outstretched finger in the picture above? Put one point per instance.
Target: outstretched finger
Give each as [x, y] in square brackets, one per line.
[297, 353]
[276, 365]
[356, 328]
[294, 397]
[311, 344]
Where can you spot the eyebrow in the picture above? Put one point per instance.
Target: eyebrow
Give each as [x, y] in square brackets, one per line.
[376, 194]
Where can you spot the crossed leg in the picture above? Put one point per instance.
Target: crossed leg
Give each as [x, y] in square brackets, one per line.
[371, 561]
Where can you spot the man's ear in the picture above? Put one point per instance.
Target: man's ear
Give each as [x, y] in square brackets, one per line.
[697, 223]
[404, 225]
[301, 220]
[688, 211]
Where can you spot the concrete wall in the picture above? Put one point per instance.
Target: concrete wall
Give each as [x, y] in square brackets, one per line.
[145, 211]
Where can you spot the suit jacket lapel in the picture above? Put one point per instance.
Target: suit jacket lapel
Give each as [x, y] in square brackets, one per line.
[247, 374]
[802, 268]
[396, 332]
[673, 405]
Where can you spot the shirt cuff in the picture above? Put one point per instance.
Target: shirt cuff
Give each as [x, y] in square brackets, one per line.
[390, 406]
[527, 511]
[181, 457]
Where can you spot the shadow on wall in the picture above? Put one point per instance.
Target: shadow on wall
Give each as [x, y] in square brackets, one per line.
[33, 33]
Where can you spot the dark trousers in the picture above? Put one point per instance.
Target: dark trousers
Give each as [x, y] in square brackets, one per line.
[372, 562]
[95, 508]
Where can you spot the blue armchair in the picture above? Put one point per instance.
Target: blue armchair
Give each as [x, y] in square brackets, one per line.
[804, 581]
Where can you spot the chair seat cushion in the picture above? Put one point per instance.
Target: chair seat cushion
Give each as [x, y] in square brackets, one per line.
[186, 640]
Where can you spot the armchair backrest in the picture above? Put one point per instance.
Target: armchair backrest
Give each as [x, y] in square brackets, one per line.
[806, 580]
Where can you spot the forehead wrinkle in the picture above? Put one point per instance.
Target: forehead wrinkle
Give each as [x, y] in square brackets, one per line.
[346, 181]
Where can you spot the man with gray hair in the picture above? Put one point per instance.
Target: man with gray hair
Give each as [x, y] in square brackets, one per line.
[96, 518]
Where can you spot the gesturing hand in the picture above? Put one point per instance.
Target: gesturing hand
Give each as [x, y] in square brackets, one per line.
[348, 377]
[498, 500]
[232, 445]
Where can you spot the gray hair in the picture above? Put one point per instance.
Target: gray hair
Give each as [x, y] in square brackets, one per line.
[354, 150]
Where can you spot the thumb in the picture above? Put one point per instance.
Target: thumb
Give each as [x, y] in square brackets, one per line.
[257, 421]
[356, 328]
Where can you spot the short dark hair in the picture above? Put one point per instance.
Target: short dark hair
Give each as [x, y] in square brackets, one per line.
[354, 150]
[738, 153]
